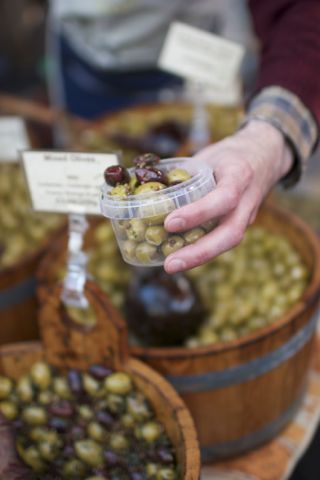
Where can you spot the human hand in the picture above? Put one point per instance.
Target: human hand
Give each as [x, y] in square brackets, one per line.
[246, 166]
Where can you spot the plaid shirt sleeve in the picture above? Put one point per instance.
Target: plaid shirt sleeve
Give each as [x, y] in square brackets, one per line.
[285, 111]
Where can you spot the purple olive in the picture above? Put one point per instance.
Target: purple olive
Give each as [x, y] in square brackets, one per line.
[76, 433]
[164, 456]
[62, 408]
[99, 372]
[137, 476]
[105, 418]
[75, 381]
[147, 159]
[145, 175]
[111, 458]
[59, 424]
[115, 175]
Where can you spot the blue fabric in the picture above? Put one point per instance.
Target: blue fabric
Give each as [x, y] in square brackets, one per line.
[89, 92]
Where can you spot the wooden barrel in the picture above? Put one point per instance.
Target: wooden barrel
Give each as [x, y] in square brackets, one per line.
[67, 347]
[241, 393]
[18, 301]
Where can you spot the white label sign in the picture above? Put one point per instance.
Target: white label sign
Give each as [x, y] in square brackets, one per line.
[200, 56]
[13, 137]
[66, 182]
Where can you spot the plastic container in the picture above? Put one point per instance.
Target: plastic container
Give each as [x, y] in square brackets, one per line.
[138, 220]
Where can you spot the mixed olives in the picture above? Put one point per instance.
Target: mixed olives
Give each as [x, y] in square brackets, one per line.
[163, 129]
[241, 290]
[21, 229]
[141, 235]
[248, 287]
[86, 425]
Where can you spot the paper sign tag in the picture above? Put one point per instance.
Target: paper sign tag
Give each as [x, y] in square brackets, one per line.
[13, 137]
[66, 182]
[200, 56]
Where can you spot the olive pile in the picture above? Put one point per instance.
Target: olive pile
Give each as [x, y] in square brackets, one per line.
[248, 287]
[162, 129]
[144, 240]
[92, 426]
[21, 229]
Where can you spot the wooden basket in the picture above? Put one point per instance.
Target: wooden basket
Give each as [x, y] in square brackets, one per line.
[66, 346]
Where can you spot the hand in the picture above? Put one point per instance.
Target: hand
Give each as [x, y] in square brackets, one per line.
[246, 166]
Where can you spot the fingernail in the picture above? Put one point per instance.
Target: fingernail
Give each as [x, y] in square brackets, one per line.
[176, 224]
[176, 265]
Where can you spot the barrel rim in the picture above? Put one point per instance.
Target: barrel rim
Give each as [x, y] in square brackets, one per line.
[309, 299]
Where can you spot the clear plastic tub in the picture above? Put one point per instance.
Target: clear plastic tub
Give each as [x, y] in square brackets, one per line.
[138, 220]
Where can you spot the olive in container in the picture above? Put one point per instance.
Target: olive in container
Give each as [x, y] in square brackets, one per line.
[138, 218]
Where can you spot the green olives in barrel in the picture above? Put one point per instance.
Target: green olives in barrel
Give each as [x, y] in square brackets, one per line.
[89, 452]
[5, 387]
[119, 383]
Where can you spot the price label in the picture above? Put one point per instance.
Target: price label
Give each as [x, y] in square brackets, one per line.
[66, 182]
[200, 56]
[13, 137]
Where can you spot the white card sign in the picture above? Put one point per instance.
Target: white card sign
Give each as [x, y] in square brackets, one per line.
[13, 137]
[200, 56]
[66, 182]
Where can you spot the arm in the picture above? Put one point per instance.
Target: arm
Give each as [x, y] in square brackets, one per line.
[278, 135]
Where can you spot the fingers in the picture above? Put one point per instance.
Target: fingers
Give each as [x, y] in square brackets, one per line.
[224, 237]
[233, 179]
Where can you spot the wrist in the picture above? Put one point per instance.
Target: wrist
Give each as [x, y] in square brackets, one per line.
[270, 139]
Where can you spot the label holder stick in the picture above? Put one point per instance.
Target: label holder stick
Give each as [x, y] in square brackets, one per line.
[75, 279]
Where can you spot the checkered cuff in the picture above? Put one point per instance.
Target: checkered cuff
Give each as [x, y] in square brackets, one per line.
[287, 113]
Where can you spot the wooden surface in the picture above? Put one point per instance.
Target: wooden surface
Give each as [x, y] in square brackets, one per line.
[68, 346]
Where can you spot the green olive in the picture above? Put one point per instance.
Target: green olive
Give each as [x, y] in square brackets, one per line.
[121, 191]
[155, 219]
[115, 403]
[149, 187]
[155, 235]
[145, 253]
[61, 388]
[174, 243]
[41, 375]
[91, 385]
[85, 412]
[151, 470]
[8, 409]
[138, 408]
[151, 431]
[127, 420]
[42, 434]
[193, 235]
[5, 387]
[31, 456]
[119, 383]
[129, 249]
[48, 451]
[96, 477]
[118, 442]
[24, 389]
[166, 474]
[45, 397]
[34, 415]
[177, 175]
[89, 452]
[74, 468]
[96, 432]
[135, 230]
